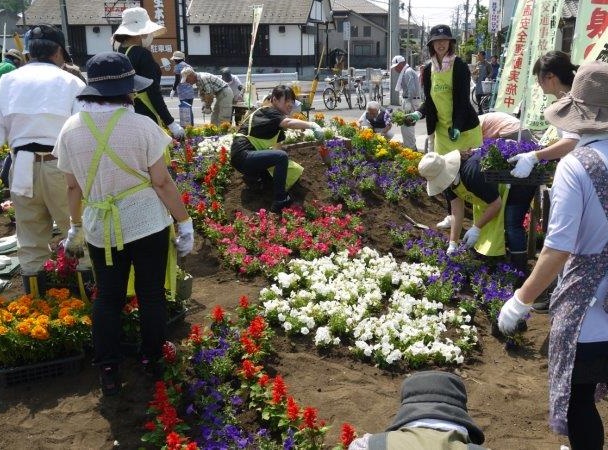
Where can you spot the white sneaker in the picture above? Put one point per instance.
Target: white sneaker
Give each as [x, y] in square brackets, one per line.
[445, 223]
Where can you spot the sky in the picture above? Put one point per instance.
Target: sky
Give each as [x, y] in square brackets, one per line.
[432, 12]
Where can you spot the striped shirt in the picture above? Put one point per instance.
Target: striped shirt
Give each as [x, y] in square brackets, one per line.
[209, 84]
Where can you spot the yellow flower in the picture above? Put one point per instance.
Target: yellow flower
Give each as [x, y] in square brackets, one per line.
[412, 170]
[42, 320]
[39, 332]
[6, 316]
[23, 328]
[86, 320]
[3, 330]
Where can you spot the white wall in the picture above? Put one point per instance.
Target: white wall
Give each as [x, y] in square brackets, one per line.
[308, 44]
[99, 42]
[287, 43]
[199, 43]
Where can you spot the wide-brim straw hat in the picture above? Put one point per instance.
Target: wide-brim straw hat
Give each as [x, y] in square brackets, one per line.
[439, 170]
[584, 110]
[178, 55]
[136, 22]
[111, 74]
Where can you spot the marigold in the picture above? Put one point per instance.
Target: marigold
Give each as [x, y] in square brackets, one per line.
[3, 330]
[68, 320]
[64, 312]
[6, 316]
[39, 332]
[86, 320]
[23, 328]
[59, 294]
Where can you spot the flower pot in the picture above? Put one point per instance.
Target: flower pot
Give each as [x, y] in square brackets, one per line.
[68, 365]
[183, 289]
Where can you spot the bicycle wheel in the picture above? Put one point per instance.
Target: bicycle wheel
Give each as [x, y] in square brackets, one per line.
[329, 98]
[380, 95]
[485, 103]
[361, 99]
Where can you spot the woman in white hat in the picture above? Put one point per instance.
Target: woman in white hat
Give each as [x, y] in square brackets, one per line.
[135, 35]
[576, 246]
[185, 91]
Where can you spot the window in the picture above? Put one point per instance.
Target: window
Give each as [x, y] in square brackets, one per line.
[354, 31]
[235, 40]
[367, 31]
[362, 50]
[340, 26]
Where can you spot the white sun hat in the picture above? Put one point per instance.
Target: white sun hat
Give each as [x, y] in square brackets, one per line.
[136, 22]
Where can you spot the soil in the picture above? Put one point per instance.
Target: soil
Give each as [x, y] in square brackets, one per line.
[507, 390]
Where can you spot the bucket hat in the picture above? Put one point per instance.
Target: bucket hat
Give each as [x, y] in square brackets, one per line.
[136, 22]
[110, 74]
[433, 394]
[178, 55]
[50, 33]
[584, 109]
[439, 32]
[187, 71]
[396, 61]
[439, 170]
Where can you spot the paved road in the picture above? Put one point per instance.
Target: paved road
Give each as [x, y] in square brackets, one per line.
[342, 111]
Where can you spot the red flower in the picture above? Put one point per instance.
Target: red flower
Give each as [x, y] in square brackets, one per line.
[215, 205]
[249, 346]
[169, 418]
[169, 352]
[279, 390]
[186, 198]
[264, 379]
[217, 314]
[347, 434]
[150, 426]
[257, 327]
[249, 369]
[293, 410]
[310, 417]
[244, 301]
[200, 208]
[195, 334]
[174, 440]
[191, 446]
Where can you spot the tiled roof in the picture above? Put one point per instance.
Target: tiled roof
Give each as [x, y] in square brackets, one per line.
[358, 6]
[570, 9]
[240, 11]
[80, 12]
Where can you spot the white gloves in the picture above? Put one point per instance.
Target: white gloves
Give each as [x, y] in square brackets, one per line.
[185, 238]
[74, 243]
[316, 128]
[177, 131]
[525, 164]
[452, 247]
[511, 313]
[206, 109]
[172, 93]
[471, 236]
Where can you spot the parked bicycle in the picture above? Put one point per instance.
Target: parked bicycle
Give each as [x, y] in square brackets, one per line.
[338, 87]
[360, 96]
[485, 101]
[377, 92]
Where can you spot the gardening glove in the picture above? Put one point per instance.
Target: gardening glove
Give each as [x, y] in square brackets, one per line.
[453, 134]
[471, 236]
[185, 238]
[525, 164]
[74, 243]
[317, 130]
[511, 313]
[452, 247]
[412, 118]
[177, 131]
[172, 93]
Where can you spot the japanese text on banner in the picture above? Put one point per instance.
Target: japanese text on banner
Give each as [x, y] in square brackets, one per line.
[590, 37]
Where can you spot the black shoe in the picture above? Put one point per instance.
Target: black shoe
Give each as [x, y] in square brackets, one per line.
[278, 206]
[541, 307]
[109, 380]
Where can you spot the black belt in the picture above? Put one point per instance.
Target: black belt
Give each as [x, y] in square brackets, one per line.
[34, 147]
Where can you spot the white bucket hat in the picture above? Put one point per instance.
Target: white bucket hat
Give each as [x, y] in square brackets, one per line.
[178, 55]
[136, 22]
[439, 170]
[396, 61]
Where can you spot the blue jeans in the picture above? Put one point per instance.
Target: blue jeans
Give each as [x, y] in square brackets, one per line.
[148, 256]
[254, 162]
[514, 229]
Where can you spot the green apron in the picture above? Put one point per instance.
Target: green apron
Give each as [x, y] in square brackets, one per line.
[441, 93]
[491, 240]
[294, 170]
[145, 99]
[108, 208]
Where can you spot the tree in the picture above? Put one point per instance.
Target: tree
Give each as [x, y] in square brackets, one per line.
[15, 6]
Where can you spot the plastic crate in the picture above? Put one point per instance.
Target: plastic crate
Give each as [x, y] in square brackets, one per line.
[504, 176]
[70, 365]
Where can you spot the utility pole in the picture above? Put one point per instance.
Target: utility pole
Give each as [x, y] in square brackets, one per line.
[466, 21]
[393, 11]
[64, 23]
[408, 51]
[477, 26]
[457, 27]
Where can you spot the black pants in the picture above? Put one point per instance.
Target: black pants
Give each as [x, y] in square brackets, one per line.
[148, 256]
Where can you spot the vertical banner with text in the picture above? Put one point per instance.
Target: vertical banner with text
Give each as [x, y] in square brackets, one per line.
[163, 13]
[494, 17]
[257, 16]
[590, 35]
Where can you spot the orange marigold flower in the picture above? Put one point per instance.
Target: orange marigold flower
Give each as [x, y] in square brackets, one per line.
[64, 312]
[59, 294]
[68, 320]
[23, 328]
[6, 316]
[39, 332]
[3, 330]
[86, 320]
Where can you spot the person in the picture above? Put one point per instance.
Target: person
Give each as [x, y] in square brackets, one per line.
[409, 87]
[237, 89]
[432, 414]
[185, 92]
[210, 86]
[577, 246]
[113, 162]
[447, 106]
[555, 73]
[13, 59]
[251, 152]
[497, 210]
[35, 101]
[378, 119]
[482, 72]
[134, 36]
[495, 67]
[498, 124]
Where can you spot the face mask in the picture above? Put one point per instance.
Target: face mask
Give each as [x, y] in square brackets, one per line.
[146, 41]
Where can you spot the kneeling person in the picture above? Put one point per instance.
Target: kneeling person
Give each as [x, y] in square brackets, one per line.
[378, 119]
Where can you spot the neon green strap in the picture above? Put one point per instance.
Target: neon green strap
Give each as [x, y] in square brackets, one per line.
[111, 214]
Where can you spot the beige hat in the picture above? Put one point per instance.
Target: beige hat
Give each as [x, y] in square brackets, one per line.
[439, 170]
[185, 72]
[136, 22]
[178, 55]
[585, 108]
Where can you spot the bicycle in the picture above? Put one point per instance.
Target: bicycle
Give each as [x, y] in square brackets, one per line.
[485, 101]
[332, 95]
[360, 96]
[377, 93]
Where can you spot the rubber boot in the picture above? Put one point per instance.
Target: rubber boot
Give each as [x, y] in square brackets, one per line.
[35, 285]
[519, 260]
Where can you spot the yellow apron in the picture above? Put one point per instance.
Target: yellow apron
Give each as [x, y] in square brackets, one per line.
[145, 99]
[110, 212]
[294, 170]
[441, 93]
[491, 240]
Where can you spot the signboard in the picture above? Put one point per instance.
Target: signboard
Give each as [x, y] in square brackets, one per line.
[494, 17]
[346, 31]
[112, 10]
[590, 36]
[163, 13]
